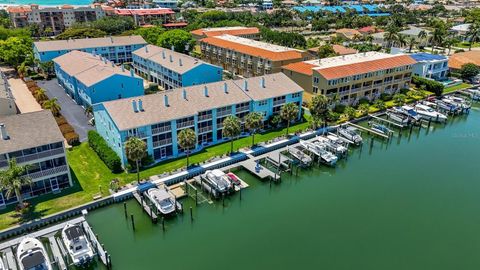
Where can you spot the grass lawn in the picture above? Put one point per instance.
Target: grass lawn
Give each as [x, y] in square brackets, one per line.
[91, 176]
[466, 45]
[456, 87]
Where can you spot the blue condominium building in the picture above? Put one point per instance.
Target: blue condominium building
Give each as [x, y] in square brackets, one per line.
[158, 118]
[431, 66]
[115, 49]
[171, 69]
[91, 79]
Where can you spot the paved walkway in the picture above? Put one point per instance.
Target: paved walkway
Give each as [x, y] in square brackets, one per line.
[23, 98]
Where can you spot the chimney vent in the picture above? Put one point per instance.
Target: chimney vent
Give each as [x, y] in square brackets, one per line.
[262, 82]
[163, 54]
[171, 58]
[123, 68]
[3, 131]
[184, 92]
[180, 61]
[206, 91]
[165, 99]
[225, 88]
[140, 105]
[146, 48]
[132, 72]
[245, 85]
[134, 105]
[172, 48]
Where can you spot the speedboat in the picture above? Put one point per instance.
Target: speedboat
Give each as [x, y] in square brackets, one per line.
[350, 133]
[2, 267]
[319, 149]
[337, 144]
[428, 113]
[218, 180]
[299, 154]
[408, 111]
[379, 128]
[77, 244]
[399, 118]
[234, 179]
[447, 106]
[461, 102]
[31, 255]
[163, 200]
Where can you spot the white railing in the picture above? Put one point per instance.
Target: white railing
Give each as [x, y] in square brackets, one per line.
[162, 142]
[48, 172]
[204, 129]
[204, 117]
[40, 155]
[185, 124]
[161, 129]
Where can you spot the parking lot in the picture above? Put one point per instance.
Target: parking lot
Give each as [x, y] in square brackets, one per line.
[74, 113]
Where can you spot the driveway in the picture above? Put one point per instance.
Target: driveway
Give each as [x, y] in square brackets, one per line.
[75, 114]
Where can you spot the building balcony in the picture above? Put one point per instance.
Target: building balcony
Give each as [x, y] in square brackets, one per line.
[223, 113]
[205, 129]
[242, 109]
[204, 117]
[49, 172]
[278, 102]
[220, 126]
[185, 124]
[161, 129]
[139, 135]
[40, 155]
[162, 142]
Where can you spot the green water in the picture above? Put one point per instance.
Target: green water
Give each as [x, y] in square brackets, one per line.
[411, 204]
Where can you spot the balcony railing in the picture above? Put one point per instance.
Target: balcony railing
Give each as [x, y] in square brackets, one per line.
[161, 129]
[278, 102]
[204, 117]
[185, 124]
[242, 109]
[205, 129]
[220, 126]
[162, 142]
[48, 172]
[139, 135]
[223, 113]
[40, 155]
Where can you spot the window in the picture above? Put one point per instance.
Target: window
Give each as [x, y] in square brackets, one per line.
[262, 102]
[315, 90]
[296, 95]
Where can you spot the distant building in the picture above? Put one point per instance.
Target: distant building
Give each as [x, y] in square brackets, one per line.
[352, 76]
[91, 79]
[158, 118]
[55, 18]
[366, 9]
[348, 34]
[267, 4]
[116, 49]
[171, 69]
[457, 60]
[339, 50]
[239, 31]
[248, 57]
[431, 66]
[461, 31]
[368, 30]
[173, 4]
[145, 16]
[7, 102]
[34, 139]
[414, 32]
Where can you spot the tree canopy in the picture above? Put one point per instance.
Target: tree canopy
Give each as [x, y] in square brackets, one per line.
[181, 40]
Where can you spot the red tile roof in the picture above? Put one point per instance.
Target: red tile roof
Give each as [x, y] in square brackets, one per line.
[253, 51]
[339, 49]
[18, 9]
[300, 67]
[233, 32]
[177, 24]
[369, 29]
[143, 12]
[365, 67]
[457, 60]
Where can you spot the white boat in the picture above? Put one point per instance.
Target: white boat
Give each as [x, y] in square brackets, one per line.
[408, 111]
[2, 267]
[399, 118]
[299, 155]
[319, 149]
[78, 246]
[380, 128]
[163, 200]
[334, 144]
[428, 113]
[461, 102]
[31, 255]
[218, 180]
[447, 106]
[351, 134]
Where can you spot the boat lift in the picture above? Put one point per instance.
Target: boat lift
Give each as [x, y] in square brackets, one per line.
[387, 121]
[369, 131]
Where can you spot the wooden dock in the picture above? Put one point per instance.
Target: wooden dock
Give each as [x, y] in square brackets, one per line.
[57, 254]
[11, 259]
[369, 131]
[387, 121]
[263, 173]
[141, 200]
[102, 254]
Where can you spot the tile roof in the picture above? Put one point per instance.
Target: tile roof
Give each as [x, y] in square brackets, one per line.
[234, 31]
[155, 111]
[19, 9]
[77, 44]
[300, 67]
[163, 56]
[87, 68]
[360, 63]
[339, 49]
[29, 130]
[457, 60]
[254, 48]
[349, 33]
[370, 29]
[143, 11]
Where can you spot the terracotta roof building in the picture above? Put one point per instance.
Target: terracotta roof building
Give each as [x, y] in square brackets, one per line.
[339, 50]
[347, 33]
[144, 16]
[248, 57]
[240, 31]
[352, 76]
[457, 60]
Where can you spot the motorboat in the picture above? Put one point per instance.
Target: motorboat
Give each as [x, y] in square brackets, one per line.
[351, 134]
[163, 200]
[78, 246]
[408, 111]
[402, 119]
[234, 179]
[428, 113]
[474, 93]
[319, 149]
[461, 102]
[338, 145]
[31, 255]
[218, 180]
[379, 128]
[299, 154]
[447, 106]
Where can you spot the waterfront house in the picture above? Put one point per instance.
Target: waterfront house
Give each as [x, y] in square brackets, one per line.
[353, 76]
[431, 66]
[34, 139]
[239, 31]
[170, 69]
[115, 49]
[158, 118]
[90, 79]
[457, 60]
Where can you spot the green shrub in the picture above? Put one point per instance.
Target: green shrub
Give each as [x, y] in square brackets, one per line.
[385, 97]
[404, 91]
[363, 100]
[430, 85]
[72, 138]
[339, 108]
[104, 152]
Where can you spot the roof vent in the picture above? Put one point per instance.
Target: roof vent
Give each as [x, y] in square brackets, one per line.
[3, 132]
[184, 92]
[180, 61]
[132, 72]
[123, 68]
[206, 91]
[171, 58]
[146, 49]
[163, 54]
[165, 99]
[172, 48]
[140, 105]
[225, 88]
[262, 82]
[134, 105]
[245, 85]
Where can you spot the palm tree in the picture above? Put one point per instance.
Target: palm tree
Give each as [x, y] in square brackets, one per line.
[438, 34]
[12, 180]
[187, 140]
[136, 149]
[363, 108]
[289, 112]
[422, 35]
[53, 106]
[411, 42]
[253, 122]
[350, 112]
[473, 34]
[399, 99]
[449, 42]
[40, 95]
[401, 40]
[379, 104]
[391, 35]
[369, 39]
[318, 106]
[231, 129]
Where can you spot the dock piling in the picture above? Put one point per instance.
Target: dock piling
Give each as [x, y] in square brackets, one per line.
[191, 214]
[240, 192]
[223, 200]
[125, 209]
[133, 221]
[163, 223]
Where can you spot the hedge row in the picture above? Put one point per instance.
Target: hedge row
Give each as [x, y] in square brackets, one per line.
[106, 154]
[430, 85]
